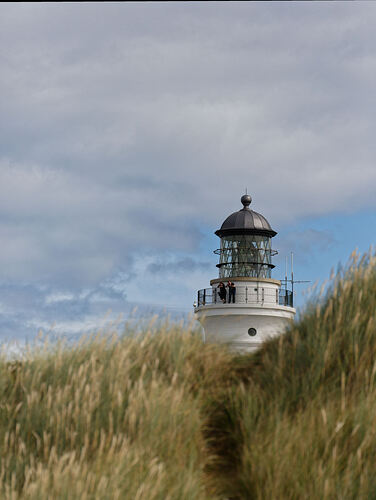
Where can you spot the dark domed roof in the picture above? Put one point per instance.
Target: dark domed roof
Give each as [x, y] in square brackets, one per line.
[245, 221]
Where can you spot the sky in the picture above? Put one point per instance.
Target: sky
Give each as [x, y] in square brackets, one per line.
[129, 132]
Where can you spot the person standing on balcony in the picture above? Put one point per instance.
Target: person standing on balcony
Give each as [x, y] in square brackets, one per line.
[231, 291]
[222, 292]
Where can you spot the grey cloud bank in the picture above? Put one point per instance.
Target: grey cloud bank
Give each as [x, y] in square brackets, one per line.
[128, 128]
[181, 266]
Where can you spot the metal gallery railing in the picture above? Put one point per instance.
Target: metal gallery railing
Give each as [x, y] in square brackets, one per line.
[246, 295]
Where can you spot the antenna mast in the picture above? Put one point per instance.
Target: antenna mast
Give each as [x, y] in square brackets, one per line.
[292, 281]
[286, 272]
[292, 274]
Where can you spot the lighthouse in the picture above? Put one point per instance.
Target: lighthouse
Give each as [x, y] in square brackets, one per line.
[244, 306]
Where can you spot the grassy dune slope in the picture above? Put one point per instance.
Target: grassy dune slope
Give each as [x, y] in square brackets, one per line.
[107, 420]
[166, 417]
[305, 419]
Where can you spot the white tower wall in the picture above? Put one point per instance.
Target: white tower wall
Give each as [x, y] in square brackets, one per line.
[256, 306]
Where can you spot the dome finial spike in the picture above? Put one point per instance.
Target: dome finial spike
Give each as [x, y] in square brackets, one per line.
[246, 200]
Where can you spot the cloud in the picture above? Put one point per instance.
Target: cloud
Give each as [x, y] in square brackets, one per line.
[304, 244]
[182, 266]
[26, 308]
[128, 130]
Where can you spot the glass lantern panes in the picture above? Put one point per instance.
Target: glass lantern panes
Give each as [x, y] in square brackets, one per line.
[245, 256]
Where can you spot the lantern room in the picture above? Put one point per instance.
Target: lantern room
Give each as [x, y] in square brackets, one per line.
[245, 249]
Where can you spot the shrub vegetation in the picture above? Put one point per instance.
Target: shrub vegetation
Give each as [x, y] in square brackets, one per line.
[163, 416]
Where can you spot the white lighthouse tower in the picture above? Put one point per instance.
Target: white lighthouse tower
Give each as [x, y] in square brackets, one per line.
[259, 308]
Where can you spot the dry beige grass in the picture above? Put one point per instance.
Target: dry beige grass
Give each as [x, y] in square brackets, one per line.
[107, 419]
[305, 419]
[163, 416]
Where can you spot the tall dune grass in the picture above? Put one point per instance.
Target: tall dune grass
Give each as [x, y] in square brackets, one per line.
[305, 417]
[107, 419]
[163, 416]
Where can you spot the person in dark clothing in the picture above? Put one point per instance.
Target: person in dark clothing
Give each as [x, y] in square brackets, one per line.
[231, 292]
[222, 292]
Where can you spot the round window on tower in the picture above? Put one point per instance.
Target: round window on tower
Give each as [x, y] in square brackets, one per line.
[252, 332]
